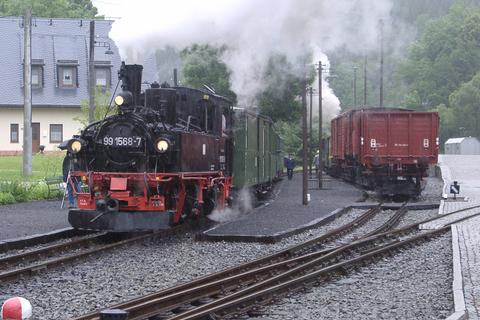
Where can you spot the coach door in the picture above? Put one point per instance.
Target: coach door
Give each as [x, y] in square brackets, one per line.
[35, 137]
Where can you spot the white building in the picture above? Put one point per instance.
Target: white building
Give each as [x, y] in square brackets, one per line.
[465, 145]
[59, 78]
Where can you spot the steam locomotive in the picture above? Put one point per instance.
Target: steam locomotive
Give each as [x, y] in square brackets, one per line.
[169, 154]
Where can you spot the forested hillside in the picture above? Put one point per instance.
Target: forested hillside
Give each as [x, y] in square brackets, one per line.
[432, 61]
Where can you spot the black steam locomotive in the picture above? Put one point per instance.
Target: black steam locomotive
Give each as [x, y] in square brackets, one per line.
[167, 155]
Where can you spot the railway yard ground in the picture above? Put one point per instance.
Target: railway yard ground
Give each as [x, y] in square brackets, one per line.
[413, 282]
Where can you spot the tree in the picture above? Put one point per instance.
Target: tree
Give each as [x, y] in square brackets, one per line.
[465, 104]
[280, 98]
[202, 66]
[50, 8]
[102, 109]
[445, 56]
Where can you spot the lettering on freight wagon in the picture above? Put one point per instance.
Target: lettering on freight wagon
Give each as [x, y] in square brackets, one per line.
[426, 143]
[400, 144]
[375, 144]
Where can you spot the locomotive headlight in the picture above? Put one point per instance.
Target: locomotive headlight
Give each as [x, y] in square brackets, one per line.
[161, 145]
[75, 145]
[119, 100]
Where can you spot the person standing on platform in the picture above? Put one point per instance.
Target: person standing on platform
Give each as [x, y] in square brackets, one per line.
[290, 164]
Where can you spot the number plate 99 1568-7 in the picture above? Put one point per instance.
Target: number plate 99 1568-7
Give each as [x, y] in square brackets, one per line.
[134, 141]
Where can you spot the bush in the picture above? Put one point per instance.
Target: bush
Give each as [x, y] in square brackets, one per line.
[21, 191]
[6, 198]
[40, 192]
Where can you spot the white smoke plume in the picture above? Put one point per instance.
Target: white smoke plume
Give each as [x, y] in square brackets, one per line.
[254, 31]
[243, 204]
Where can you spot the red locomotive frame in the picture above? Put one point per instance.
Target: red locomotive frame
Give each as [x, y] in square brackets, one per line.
[120, 188]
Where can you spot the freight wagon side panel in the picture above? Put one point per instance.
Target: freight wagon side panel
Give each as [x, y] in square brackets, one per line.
[399, 134]
[375, 136]
[342, 137]
[356, 135]
[424, 136]
[333, 139]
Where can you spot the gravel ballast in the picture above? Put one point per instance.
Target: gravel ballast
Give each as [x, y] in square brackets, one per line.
[136, 270]
[413, 284]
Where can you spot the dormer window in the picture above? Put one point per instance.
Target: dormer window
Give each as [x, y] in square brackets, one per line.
[67, 71]
[103, 74]
[37, 73]
[102, 77]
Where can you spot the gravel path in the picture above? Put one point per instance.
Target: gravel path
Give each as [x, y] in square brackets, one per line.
[23, 219]
[136, 270]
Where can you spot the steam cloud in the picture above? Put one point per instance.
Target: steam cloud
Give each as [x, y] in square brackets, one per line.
[254, 31]
[243, 205]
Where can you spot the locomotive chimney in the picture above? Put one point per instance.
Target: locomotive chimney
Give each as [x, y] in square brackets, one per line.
[131, 76]
[175, 79]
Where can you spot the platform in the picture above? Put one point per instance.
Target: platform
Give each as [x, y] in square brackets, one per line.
[286, 214]
[465, 169]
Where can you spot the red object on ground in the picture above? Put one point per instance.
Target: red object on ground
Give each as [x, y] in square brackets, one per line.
[16, 308]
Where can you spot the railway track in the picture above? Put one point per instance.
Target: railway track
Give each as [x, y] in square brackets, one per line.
[278, 258]
[243, 288]
[41, 259]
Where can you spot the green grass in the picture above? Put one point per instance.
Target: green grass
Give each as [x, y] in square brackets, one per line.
[14, 187]
[43, 166]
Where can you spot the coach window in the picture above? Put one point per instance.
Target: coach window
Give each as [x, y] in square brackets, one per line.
[14, 132]
[56, 133]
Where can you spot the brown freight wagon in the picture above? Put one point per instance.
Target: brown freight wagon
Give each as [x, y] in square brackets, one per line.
[384, 149]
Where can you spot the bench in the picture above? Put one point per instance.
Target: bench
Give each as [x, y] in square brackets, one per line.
[55, 184]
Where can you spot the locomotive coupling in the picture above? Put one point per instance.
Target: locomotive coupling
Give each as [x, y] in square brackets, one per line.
[109, 205]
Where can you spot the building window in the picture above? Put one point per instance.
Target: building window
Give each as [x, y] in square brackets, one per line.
[67, 77]
[37, 76]
[14, 132]
[67, 73]
[102, 77]
[56, 133]
[37, 73]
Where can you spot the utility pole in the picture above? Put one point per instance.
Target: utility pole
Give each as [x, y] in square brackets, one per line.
[365, 81]
[27, 98]
[381, 63]
[305, 141]
[91, 74]
[311, 132]
[355, 87]
[320, 151]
